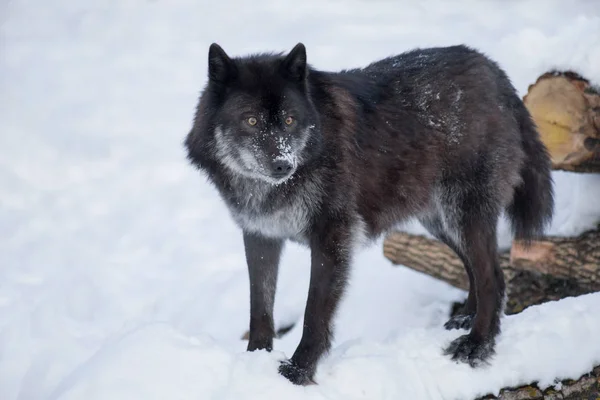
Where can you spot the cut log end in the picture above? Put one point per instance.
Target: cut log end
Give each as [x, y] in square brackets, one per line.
[566, 109]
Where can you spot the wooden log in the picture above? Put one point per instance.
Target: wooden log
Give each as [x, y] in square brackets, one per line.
[431, 257]
[575, 258]
[426, 255]
[548, 270]
[566, 110]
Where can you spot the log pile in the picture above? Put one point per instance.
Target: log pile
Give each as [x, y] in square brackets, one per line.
[566, 110]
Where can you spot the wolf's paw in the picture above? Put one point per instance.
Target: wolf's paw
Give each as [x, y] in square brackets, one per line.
[471, 350]
[261, 343]
[459, 321]
[295, 374]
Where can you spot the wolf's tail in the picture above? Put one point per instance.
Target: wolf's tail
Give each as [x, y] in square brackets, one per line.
[533, 203]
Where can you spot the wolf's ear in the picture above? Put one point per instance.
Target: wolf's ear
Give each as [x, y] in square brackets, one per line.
[294, 63]
[220, 66]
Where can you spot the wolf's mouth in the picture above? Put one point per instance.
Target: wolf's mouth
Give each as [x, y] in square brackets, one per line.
[260, 173]
[277, 179]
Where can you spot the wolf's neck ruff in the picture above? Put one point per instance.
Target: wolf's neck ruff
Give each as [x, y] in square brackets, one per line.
[275, 211]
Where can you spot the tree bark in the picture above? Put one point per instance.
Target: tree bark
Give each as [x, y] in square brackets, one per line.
[566, 110]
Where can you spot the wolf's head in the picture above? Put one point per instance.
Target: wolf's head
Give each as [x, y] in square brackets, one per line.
[261, 111]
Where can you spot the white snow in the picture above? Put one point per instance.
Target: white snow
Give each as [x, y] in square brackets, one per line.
[408, 365]
[121, 272]
[286, 151]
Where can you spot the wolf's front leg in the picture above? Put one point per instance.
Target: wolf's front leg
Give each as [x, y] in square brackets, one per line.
[330, 258]
[262, 256]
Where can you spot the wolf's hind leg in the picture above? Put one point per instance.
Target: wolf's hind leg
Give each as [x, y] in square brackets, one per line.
[463, 319]
[480, 252]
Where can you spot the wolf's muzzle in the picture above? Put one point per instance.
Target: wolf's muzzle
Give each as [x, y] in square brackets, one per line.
[281, 169]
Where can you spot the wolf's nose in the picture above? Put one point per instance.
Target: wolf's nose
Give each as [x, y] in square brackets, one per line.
[280, 168]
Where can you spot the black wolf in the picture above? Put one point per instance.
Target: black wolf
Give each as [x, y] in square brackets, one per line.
[333, 159]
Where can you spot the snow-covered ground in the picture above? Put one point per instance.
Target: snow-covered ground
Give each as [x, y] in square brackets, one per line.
[121, 274]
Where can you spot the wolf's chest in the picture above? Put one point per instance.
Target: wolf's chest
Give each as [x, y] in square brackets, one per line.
[288, 222]
[285, 217]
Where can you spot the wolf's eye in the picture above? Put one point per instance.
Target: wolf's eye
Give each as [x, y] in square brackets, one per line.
[289, 120]
[252, 121]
